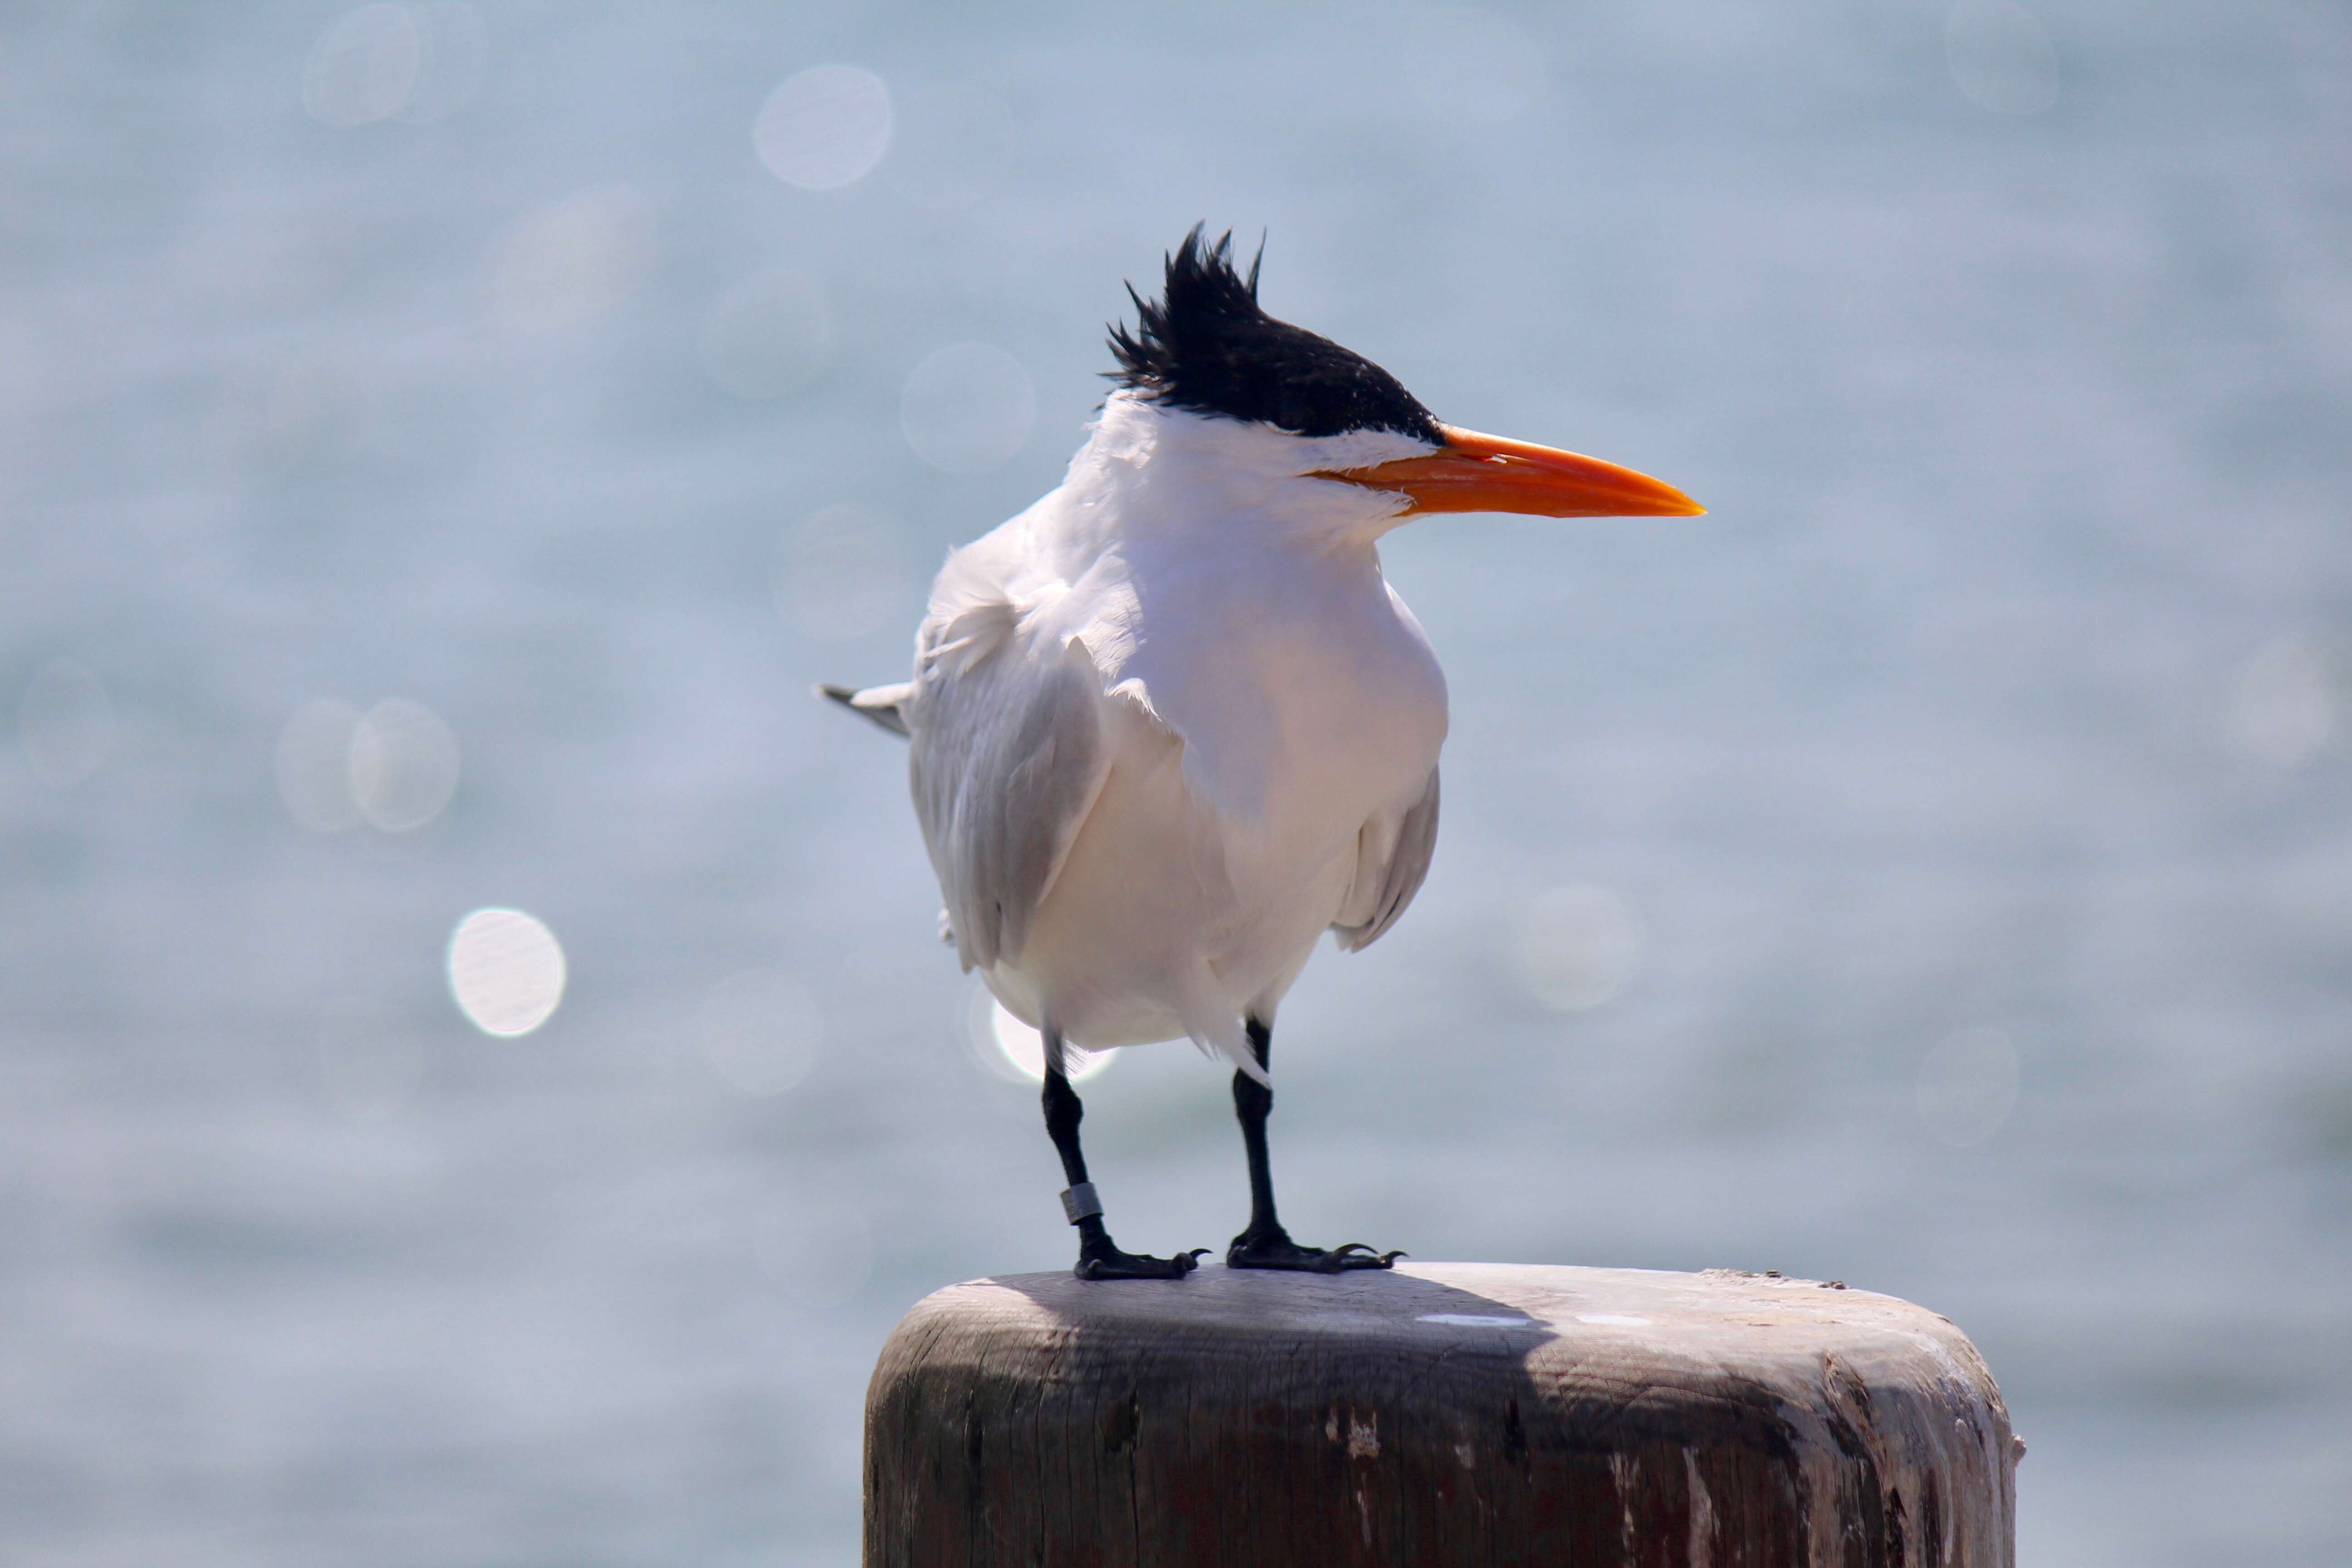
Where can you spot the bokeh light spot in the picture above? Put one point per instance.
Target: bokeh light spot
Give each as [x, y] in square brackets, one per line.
[2286, 704]
[768, 335]
[1576, 947]
[824, 129]
[2000, 56]
[1968, 1086]
[65, 721]
[842, 574]
[364, 66]
[453, 59]
[314, 765]
[758, 1030]
[1010, 1049]
[570, 262]
[506, 971]
[967, 408]
[403, 765]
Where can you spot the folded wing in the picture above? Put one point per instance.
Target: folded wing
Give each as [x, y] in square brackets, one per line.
[882, 704]
[1008, 759]
[1392, 854]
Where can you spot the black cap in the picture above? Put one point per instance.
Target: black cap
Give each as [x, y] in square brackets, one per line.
[1206, 345]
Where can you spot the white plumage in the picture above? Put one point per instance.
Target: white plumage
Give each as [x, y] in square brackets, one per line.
[1171, 723]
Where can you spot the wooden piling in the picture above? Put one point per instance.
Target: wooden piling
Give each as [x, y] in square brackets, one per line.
[1443, 1414]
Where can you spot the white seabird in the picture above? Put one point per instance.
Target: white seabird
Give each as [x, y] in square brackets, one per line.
[1171, 723]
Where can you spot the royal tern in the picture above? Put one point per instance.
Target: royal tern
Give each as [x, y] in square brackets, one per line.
[1171, 723]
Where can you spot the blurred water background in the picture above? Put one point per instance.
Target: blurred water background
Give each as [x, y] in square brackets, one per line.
[439, 445]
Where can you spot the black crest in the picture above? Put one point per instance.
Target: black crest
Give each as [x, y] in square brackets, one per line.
[1206, 344]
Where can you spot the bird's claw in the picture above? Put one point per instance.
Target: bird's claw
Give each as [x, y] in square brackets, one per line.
[1275, 1249]
[1110, 1263]
[1355, 1255]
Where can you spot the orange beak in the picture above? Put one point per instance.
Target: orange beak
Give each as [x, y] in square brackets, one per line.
[1486, 473]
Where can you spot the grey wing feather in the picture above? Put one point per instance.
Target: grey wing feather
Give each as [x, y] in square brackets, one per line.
[1008, 759]
[879, 703]
[1406, 864]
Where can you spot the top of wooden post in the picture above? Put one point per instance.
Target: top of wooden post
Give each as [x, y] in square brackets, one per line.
[1443, 1413]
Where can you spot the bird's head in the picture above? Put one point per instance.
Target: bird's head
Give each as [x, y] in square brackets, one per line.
[1312, 410]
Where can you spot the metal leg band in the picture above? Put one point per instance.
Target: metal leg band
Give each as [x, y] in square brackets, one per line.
[1080, 1203]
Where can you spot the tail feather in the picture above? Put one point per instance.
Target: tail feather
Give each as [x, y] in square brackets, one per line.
[879, 703]
[1218, 1032]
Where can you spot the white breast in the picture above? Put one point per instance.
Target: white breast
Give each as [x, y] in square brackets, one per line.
[1223, 842]
[1263, 697]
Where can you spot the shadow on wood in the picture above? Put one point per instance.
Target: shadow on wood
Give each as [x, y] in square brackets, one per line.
[1445, 1413]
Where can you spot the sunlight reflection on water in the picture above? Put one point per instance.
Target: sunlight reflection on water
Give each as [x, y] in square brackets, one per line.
[1968, 1086]
[1578, 947]
[758, 1030]
[566, 264]
[363, 65]
[412, 63]
[506, 971]
[2287, 703]
[404, 764]
[826, 127]
[1007, 1049]
[967, 408]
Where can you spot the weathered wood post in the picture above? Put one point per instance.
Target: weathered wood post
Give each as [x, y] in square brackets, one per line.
[1445, 1413]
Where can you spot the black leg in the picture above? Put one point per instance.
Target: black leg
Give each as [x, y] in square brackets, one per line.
[1266, 1245]
[1099, 1257]
[1253, 1102]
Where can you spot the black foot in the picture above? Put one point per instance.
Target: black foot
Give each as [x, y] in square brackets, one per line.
[1275, 1249]
[1107, 1262]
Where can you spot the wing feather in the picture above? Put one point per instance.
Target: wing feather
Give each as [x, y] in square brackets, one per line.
[879, 703]
[1393, 855]
[1008, 759]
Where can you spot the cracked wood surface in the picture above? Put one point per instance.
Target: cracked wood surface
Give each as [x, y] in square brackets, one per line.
[1446, 1413]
